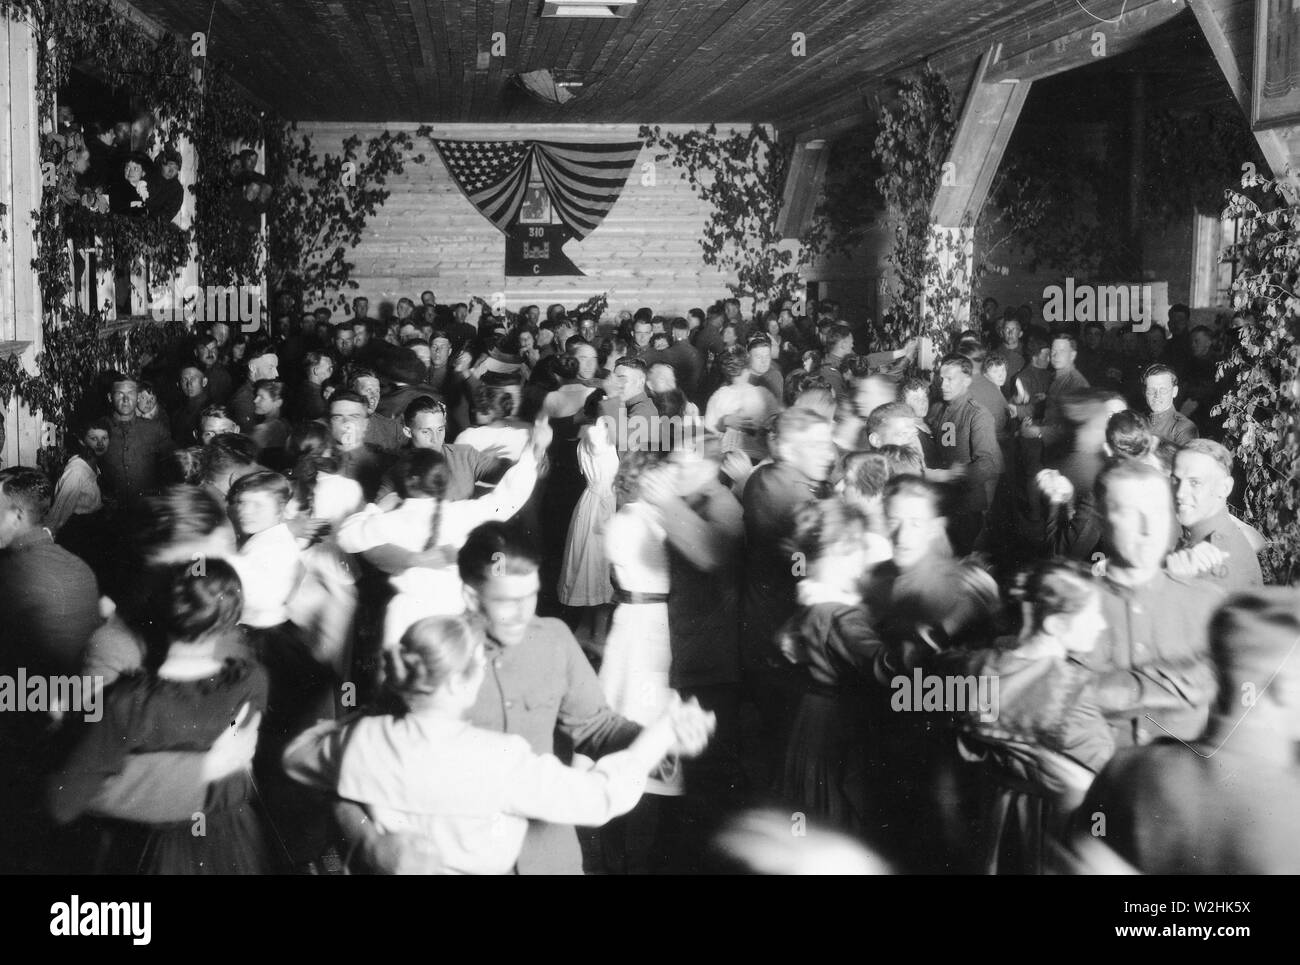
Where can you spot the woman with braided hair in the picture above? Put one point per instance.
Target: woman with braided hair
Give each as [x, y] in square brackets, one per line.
[326, 600]
[431, 529]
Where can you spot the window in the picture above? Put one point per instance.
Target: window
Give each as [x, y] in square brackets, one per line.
[1213, 267]
[1228, 268]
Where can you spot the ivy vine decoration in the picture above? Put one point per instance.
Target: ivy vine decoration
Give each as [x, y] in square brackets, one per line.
[162, 246]
[742, 176]
[949, 280]
[323, 203]
[1262, 368]
[913, 140]
[75, 354]
[229, 252]
[205, 107]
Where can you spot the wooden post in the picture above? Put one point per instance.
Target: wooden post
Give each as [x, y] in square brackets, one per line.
[987, 119]
[1222, 22]
[803, 185]
[20, 296]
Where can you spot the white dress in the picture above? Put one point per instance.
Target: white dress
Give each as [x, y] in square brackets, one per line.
[634, 670]
[584, 570]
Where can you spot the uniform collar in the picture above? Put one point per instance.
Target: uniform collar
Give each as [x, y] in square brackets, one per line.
[1199, 531]
[1125, 588]
[958, 401]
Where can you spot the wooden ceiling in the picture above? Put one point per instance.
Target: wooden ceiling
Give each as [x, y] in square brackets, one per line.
[667, 61]
[1178, 67]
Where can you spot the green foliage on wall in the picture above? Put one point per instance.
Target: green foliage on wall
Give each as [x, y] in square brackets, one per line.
[1263, 368]
[742, 177]
[193, 99]
[322, 204]
[913, 140]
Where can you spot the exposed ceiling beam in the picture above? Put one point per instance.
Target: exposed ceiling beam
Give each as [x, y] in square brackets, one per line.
[987, 121]
[1052, 52]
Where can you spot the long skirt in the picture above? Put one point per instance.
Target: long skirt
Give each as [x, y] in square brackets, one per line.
[826, 761]
[634, 676]
[584, 571]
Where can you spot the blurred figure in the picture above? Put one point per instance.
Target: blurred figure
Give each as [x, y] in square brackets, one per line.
[1228, 803]
[803, 454]
[774, 843]
[832, 647]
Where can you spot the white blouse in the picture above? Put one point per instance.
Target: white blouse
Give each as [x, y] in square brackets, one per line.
[470, 791]
[512, 440]
[336, 498]
[76, 494]
[637, 548]
[270, 568]
[410, 525]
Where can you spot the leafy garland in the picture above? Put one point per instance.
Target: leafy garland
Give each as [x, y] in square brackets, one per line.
[742, 176]
[322, 204]
[194, 99]
[76, 353]
[1263, 368]
[913, 140]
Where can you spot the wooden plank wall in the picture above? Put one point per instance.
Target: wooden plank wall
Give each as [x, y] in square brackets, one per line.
[20, 187]
[428, 235]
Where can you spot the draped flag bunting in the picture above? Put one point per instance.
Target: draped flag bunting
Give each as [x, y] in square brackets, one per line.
[492, 174]
[583, 180]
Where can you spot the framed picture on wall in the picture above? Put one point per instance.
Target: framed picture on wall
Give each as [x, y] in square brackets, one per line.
[536, 208]
[1275, 91]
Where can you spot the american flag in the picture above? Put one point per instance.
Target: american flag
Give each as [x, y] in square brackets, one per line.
[583, 180]
[493, 175]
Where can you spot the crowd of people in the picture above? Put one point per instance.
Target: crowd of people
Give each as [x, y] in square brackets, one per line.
[423, 591]
[117, 167]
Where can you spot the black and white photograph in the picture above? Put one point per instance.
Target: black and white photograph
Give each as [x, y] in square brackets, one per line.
[651, 437]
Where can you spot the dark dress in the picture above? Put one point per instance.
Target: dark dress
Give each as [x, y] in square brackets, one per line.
[144, 714]
[557, 496]
[826, 761]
